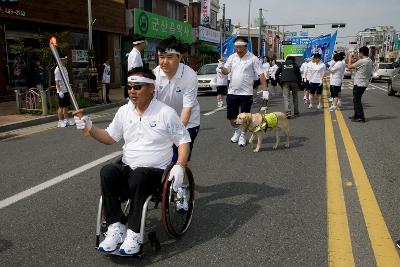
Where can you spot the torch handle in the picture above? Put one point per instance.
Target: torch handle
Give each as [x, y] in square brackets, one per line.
[79, 113]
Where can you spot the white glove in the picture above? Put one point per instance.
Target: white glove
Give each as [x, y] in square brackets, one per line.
[83, 122]
[220, 65]
[177, 173]
[61, 94]
[265, 95]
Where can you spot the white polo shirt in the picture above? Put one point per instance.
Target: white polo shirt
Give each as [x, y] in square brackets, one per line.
[337, 73]
[148, 138]
[222, 80]
[106, 74]
[58, 77]
[316, 72]
[265, 68]
[303, 69]
[242, 72]
[179, 92]
[272, 71]
[308, 72]
[134, 59]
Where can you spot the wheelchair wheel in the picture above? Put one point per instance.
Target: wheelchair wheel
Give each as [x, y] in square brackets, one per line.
[175, 222]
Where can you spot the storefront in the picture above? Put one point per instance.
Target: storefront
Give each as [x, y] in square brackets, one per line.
[25, 27]
[208, 45]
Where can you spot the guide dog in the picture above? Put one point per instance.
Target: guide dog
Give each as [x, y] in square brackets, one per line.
[258, 124]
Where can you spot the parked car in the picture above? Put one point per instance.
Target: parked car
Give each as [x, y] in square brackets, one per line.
[207, 78]
[347, 73]
[382, 71]
[394, 80]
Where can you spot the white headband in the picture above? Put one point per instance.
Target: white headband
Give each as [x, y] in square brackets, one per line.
[140, 79]
[170, 51]
[240, 43]
[138, 42]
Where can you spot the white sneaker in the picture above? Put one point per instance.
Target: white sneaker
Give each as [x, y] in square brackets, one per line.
[182, 204]
[115, 235]
[319, 106]
[131, 243]
[61, 124]
[339, 103]
[235, 136]
[220, 104]
[332, 108]
[330, 99]
[310, 106]
[242, 140]
[70, 122]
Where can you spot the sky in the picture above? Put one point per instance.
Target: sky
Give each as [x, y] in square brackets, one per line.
[357, 14]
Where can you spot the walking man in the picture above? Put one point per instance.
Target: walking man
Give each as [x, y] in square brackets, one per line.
[241, 66]
[106, 78]
[362, 77]
[290, 80]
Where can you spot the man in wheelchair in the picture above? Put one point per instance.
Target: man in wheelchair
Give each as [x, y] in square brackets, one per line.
[149, 129]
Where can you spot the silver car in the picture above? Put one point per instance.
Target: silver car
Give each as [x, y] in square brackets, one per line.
[382, 71]
[207, 78]
[394, 81]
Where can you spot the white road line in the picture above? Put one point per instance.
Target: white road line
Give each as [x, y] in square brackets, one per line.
[36, 189]
[214, 111]
[377, 87]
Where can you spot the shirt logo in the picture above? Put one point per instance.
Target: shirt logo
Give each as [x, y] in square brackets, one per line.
[152, 123]
[178, 90]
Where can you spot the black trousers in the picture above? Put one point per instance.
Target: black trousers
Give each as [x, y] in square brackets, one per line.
[107, 91]
[119, 183]
[358, 91]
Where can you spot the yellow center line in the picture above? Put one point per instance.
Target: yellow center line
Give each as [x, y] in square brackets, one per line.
[340, 252]
[381, 241]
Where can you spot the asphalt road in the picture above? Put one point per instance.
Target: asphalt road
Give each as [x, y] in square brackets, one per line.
[252, 209]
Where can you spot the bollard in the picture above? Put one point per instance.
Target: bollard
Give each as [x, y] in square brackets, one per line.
[17, 101]
[44, 99]
[104, 90]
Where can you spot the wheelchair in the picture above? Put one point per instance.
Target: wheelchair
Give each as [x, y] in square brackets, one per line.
[174, 222]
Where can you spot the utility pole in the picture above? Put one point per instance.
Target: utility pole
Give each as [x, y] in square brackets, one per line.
[92, 70]
[248, 22]
[222, 29]
[260, 25]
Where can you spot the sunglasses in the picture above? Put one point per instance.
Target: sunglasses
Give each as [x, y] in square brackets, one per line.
[136, 87]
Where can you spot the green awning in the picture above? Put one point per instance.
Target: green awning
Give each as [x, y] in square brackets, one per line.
[205, 48]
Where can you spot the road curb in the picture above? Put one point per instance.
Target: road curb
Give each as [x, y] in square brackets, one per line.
[50, 118]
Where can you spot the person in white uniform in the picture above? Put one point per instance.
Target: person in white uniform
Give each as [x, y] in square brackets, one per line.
[336, 69]
[134, 57]
[222, 84]
[176, 85]
[149, 128]
[106, 78]
[306, 85]
[241, 65]
[316, 72]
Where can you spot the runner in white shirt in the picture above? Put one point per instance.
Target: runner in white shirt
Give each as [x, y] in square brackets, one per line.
[272, 71]
[306, 85]
[316, 72]
[134, 57]
[336, 69]
[149, 128]
[222, 83]
[266, 66]
[106, 78]
[241, 65]
[176, 85]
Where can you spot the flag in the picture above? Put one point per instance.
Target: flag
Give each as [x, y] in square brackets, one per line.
[228, 46]
[332, 44]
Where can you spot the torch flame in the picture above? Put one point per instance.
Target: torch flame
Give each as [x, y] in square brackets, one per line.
[53, 41]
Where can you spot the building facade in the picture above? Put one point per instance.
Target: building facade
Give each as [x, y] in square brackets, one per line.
[24, 24]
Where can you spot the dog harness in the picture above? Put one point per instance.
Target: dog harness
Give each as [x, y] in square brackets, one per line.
[269, 120]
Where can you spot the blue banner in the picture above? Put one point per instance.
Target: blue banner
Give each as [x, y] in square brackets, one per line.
[228, 47]
[321, 45]
[332, 46]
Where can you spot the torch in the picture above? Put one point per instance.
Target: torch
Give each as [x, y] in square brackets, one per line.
[78, 112]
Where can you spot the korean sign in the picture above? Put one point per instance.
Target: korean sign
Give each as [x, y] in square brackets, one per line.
[209, 35]
[205, 11]
[159, 27]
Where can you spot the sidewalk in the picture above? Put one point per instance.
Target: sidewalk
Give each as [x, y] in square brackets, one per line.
[10, 120]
